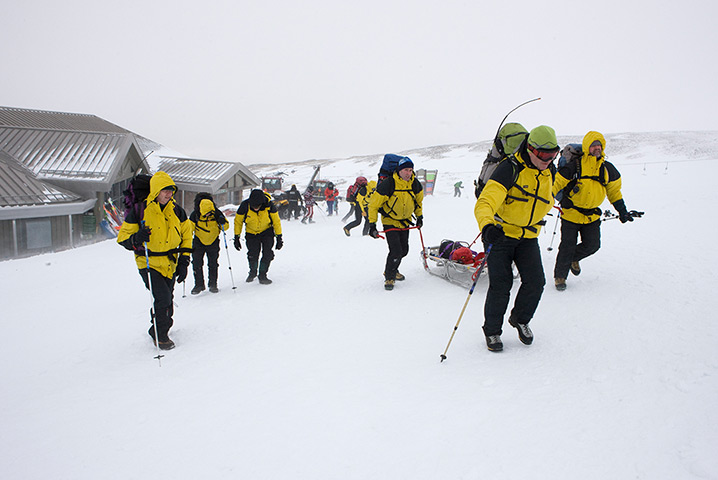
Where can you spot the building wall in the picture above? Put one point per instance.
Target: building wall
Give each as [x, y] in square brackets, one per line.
[46, 234]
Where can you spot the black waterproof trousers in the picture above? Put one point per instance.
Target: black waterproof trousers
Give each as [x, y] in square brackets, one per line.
[525, 253]
[260, 244]
[398, 241]
[163, 294]
[199, 250]
[357, 219]
[569, 252]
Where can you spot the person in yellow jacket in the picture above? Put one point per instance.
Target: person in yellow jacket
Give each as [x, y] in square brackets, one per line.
[207, 221]
[164, 228]
[510, 212]
[262, 222]
[370, 188]
[397, 198]
[586, 182]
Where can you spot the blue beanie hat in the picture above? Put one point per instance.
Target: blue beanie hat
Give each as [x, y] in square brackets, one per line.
[405, 162]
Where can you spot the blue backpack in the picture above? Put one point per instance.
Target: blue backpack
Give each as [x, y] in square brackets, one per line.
[389, 164]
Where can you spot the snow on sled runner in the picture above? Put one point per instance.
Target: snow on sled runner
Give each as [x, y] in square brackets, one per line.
[455, 262]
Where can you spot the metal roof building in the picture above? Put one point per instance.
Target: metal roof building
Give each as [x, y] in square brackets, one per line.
[58, 169]
[224, 180]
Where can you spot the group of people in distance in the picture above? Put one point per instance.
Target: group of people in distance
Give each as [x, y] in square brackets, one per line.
[510, 212]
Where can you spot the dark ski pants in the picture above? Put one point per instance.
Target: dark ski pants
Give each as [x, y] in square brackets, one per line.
[349, 213]
[357, 219]
[526, 254]
[330, 207]
[295, 209]
[199, 251]
[398, 241]
[569, 252]
[163, 295]
[260, 244]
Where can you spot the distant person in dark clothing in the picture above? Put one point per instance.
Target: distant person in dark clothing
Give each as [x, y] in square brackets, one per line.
[295, 202]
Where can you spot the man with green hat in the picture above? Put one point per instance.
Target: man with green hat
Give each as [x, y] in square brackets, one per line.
[510, 212]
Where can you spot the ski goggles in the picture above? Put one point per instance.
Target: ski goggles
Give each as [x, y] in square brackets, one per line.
[544, 155]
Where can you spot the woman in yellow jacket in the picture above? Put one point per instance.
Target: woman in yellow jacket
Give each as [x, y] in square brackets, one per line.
[397, 198]
[164, 228]
[586, 182]
[207, 221]
[260, 216]
[510, 212]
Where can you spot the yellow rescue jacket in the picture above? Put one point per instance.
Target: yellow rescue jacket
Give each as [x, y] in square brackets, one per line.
[397, 200]
[517, 197]
[259, 221]
[171, 231]
[205, 226]
[364, 204]
[590, 181]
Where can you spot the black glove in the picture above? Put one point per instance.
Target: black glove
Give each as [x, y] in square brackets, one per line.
[219, 217]
[280, 242]
[141, 236]
[181, 270]
[420, 221]
[623, 214]
[493, 234]
[566, 202]
[237, 245]
[373, 232]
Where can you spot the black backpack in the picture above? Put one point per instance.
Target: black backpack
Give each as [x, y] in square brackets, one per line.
[133, 198]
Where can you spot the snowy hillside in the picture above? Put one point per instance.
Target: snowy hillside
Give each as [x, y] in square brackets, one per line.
[325, 375]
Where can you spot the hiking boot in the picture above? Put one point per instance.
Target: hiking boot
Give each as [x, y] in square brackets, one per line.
[197, 289]
[166, 344]
[213, 289]
[560, 284]
[346, 232]
[399, 277]
[525, 334]
[389, 284]
[304, 220]
[264, 280]
[493, 342]
[251, 277]
[575, 268]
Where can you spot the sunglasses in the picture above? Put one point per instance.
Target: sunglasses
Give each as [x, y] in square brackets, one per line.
[544, 155]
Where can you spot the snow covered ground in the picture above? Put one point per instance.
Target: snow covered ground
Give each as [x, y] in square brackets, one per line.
[324, 375]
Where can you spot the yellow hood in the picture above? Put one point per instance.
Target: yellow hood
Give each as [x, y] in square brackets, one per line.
[591, 137]
[158, 182]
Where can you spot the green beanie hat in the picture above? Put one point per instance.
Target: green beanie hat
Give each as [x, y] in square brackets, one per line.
[543, 138]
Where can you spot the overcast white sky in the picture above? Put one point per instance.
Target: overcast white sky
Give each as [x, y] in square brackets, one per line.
[269, 81]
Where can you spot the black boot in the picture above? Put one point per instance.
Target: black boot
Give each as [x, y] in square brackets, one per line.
[252, 271]
[263, 268]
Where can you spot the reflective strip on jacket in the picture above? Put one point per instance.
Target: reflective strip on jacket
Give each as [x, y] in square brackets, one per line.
[589, 193]
[170, 229]
[396, 206]
[521, 214]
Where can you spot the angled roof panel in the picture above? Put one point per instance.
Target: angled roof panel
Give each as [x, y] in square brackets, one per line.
[193, 173]
[18, 187]
[46, 120]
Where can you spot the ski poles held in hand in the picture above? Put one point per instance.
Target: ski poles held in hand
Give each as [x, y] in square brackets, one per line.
[471, 291]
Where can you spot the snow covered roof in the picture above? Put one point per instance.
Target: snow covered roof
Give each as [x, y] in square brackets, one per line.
[64, 146]
[197, 175]
[21, 194]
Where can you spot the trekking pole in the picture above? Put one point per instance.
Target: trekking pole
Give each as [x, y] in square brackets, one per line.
[229, 264]
[184, 289]
[471, 291]
[152, 303]
[423, 251]
[558, 217]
